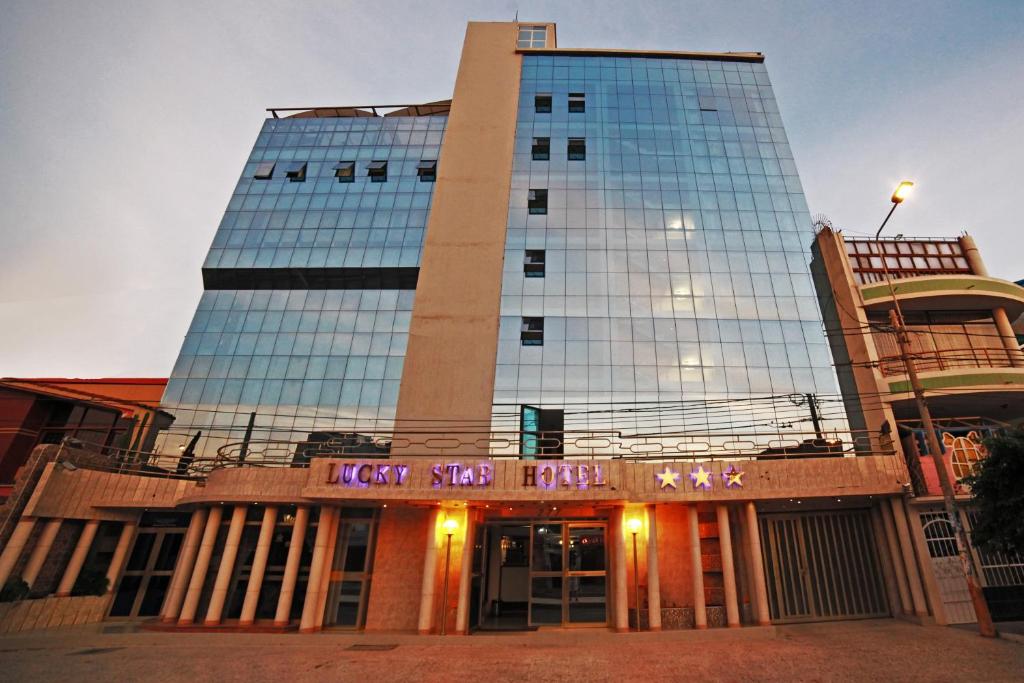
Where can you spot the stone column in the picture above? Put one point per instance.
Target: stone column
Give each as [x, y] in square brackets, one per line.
[886, 563]
[762, 612]
[183, 568]
[466, 575]
[40, 551]
[700, 610]
[426, 621]
[653, 578]
[325, 578]
[291, 567]
[732, 608]
[1009, 337]
[907, 552]
[619, 571]
[259, 566]
[316, 570]
[202, 564]
[902, 586]
[78, 558]
[15, 544]
[124, 541]
[972, 255]
[227, 566]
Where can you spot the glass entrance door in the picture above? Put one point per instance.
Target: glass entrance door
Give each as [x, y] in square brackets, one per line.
[352, 568]
[568, 574]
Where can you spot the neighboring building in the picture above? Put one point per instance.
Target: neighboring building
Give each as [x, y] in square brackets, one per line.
[968, 361]
[496, 345]
[102, 413]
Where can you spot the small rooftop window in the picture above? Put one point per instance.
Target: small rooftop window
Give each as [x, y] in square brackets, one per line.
[264, 171]
[378, 171]
[427, 170]
[537, 200]
[345, 171]
[577, 149]
[296, 171]
[541, 149]
[531, 333]
[577, 102]
[542, 104]
[532, 36]
[533, 263]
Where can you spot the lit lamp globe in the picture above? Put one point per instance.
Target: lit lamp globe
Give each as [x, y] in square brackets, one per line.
[635, 524]
[902, 191]
[450, 526]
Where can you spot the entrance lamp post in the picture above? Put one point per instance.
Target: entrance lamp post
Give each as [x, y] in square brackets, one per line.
[634, 528]
[450, 526]
[898, 324]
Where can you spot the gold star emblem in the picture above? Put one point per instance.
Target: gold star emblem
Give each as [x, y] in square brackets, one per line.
[667, 477]
[733, 477]
[701, 477]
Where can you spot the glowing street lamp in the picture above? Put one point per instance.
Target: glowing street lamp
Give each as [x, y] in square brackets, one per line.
[634, 528]
[450, 526]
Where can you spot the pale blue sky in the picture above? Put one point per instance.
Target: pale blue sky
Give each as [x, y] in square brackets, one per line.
[123, 127]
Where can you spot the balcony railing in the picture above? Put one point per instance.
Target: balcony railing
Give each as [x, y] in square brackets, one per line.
[948, 359]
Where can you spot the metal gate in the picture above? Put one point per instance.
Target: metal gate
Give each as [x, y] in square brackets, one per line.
[822, 566]
[949, 574]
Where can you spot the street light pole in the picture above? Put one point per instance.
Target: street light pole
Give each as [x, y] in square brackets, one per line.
[449, 527]
[985, 625]
[634, 526]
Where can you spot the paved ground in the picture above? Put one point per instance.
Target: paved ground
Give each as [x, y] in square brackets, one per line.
[883, 650]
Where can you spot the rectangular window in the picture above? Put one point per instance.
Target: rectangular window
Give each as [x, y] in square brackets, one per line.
[533, 263]
[542, 104]
[532, 36]
[265, 171]
[577, 103]
[577, 150]
[378, 171]
[532, 332]
[427, 171]
[542, 431]
[296, 171]
[537, 200]
[541, 149]
[345, 171]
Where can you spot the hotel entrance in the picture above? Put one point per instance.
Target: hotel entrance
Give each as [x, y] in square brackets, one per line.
[540, 573]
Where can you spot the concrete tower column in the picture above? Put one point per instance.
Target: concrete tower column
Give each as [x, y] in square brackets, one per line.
[325, 577]
[291, 567]
[316, 569]
[907, 553]
[619, 571]
[227, 566]
[466, 575]
[259, 566]
[202, 564]
[732, 608]
[653, 578]
[78, 558]
[972, 255]
[763, 614]
[700, 610]
[426, 621]
[15, 544]
[1008, 336]
[891, 542]
[183, 568]
[40, 551]
[124, 541]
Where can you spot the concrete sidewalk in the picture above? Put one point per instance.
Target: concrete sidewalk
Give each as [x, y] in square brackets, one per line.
[881, 650]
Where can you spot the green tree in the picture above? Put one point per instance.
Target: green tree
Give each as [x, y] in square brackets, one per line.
[997, 488]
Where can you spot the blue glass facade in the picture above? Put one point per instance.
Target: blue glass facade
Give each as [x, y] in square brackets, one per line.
[307, 359]
[676, 267]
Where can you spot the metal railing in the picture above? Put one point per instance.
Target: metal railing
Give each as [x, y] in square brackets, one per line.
[948, 359]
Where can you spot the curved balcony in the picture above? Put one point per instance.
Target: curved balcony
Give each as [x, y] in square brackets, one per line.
[974, 381]
[947, 293]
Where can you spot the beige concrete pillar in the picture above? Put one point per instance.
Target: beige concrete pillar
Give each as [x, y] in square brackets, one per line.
[732, 608]
[761, 611]
[891, 542]
[67, 583]
[291, 567]
[202, 564]
[307, 623]
[653, 577]
[325, 578]
[466, 575]
[15, 544]
[885, 560]
[619, 570]
[973, 256]
[40, 552]
[700, 611]
[183, 568]
[1009, 337]
[426, 621]
[259, 566]
[907, 553]
[227, 566]
[124, 541]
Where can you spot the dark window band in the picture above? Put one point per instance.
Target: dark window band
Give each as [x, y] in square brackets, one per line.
[310, 278]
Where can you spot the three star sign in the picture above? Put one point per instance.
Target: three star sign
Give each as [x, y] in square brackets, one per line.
[702, 478]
